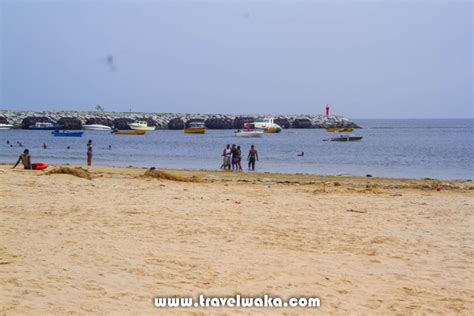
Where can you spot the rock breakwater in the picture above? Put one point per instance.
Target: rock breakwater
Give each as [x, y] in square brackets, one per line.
[75, 119]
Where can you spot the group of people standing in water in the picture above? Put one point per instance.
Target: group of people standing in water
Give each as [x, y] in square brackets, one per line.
[233, 158]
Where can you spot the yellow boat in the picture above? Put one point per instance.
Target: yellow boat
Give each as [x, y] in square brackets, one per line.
[134, 132]
[272, 130]
[340, 130]
[195, 128]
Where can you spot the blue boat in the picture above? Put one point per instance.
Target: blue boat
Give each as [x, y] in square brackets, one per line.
[67, 134]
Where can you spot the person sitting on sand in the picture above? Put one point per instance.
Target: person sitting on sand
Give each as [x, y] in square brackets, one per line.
[251, 157]
[25, 159]
[44, 146]
[301, 155]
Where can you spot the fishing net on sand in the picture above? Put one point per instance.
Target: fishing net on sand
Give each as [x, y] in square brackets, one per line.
[159, 174]
[76, 171]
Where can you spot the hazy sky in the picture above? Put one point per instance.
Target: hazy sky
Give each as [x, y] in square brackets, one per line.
[400, 59]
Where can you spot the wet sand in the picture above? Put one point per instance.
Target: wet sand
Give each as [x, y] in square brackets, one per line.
[109, 245]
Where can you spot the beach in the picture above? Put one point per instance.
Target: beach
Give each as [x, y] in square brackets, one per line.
[111, 243]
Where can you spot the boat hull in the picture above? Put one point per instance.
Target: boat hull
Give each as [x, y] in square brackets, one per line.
[50, 128]
[344, 139]
[197, 130]
[134, 132]
[272, 130]
[96, 127]
[249, 134]
[67, 134]
[6, 126]
[339, 130]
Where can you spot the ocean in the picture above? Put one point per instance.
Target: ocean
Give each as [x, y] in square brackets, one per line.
[441, 149]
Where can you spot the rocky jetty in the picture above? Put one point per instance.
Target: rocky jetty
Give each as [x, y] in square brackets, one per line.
[176, 123]
[239, 121]
[301, 123]
[120, 120]
[70, 122]
[100, 121]
[31, 120]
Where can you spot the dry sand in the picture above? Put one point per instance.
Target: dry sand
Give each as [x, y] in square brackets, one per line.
[109, 245]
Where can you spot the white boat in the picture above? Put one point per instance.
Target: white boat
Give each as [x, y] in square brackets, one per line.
[141, 126]
[96, 127]
[267, 125]
[248, 133]
[6, 126]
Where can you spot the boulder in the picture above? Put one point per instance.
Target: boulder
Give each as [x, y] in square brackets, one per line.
[283, 122]
[32, 120]
[99, 120]
[239, 121]
[3, 120]
[70, 123]
[176, 123]
[301, 123]
[122, 123]
[219, 123]
[194, 120]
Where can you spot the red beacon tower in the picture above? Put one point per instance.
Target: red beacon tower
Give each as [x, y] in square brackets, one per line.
[327, 109]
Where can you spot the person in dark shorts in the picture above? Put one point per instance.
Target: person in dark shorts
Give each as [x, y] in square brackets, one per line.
[234, 157]
[252, 157]
[25, 159]
[89, 153]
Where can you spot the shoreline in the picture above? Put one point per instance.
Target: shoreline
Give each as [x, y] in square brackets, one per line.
[257, 174]
[255, 177]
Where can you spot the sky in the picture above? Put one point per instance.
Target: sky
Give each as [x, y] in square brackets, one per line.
[395, 59]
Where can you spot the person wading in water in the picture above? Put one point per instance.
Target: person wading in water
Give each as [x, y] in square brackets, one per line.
[226, 154]
[89, 153]
[251, 157]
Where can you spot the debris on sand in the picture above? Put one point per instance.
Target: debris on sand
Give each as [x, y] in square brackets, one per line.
[159, 174]
[77, 171]
[355, 211]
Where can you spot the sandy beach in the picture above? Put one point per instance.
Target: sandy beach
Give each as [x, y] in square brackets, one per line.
[110, 244]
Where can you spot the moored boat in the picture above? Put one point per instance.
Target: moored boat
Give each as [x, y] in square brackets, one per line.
[67, 134]
[267, 125]
[339, 130]
[141, 126]
[46, 126]
[136, 132]
[6, 126]
[195, 128]
[343, 138]
[248, 133]
[96, 127]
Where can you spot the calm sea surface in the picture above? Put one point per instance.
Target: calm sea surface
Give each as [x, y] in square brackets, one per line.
[390, 148]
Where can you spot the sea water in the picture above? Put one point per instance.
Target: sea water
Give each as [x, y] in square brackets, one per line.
[441, 149]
